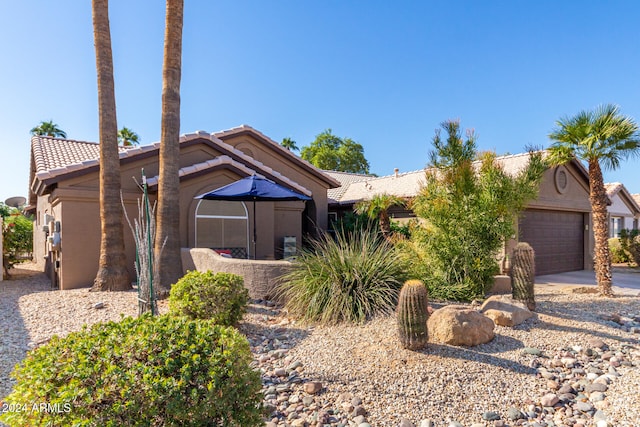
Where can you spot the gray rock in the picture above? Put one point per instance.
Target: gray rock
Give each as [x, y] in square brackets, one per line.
[599, 416]
[532, 351]
[490, 416]
[359, 419]
[596, 396]
[98, 305]
[514, 414]
[358, 410]
[427, 423]
[584, 406]
[455, 424]
[596, 387]
[406, 423]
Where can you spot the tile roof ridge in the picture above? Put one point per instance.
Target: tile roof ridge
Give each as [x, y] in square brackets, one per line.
[393, 175]
[46, 137]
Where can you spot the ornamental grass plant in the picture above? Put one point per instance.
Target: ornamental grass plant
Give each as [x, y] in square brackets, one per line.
[348, 278]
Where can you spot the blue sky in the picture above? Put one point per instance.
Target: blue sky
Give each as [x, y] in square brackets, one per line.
[380, 72]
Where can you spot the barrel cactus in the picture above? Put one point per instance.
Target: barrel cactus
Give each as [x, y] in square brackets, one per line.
[523, 268]
[412, 315]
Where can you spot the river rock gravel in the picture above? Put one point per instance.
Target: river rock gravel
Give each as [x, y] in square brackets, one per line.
[575, 363]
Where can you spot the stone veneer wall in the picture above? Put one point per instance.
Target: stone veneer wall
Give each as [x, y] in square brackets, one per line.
[260, 277]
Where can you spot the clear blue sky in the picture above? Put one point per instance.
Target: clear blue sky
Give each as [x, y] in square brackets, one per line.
[383, 73]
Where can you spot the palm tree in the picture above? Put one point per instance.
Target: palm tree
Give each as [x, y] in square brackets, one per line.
[378, 207]
[167, 244]
[112, 271]
[49, 129]
[289, 144]
[127, 137]
[602, 137]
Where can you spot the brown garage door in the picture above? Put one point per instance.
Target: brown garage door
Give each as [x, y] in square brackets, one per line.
[557, 237]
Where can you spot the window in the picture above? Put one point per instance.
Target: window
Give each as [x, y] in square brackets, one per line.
[223, 226]
[615, 226]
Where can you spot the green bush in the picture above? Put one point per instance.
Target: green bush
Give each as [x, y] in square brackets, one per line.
[346, 279]
[17, 235]
[220, 297]
[148, 371]
[618, 254]
[630, 242]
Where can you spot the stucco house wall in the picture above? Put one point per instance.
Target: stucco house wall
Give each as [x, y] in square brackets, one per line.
[623, 211]
[68, 190]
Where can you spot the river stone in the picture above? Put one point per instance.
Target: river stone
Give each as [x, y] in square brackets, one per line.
[459, 325]
[505, 311]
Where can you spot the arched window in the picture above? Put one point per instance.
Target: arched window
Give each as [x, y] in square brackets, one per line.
[223, 226]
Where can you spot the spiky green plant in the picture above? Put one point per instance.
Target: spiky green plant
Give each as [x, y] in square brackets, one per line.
[412, 313]
[523, 270]
[346, 279]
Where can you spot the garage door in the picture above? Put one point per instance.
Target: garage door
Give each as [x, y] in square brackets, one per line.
[557, 237]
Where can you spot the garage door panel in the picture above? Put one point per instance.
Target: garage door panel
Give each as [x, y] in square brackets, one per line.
[557, 237]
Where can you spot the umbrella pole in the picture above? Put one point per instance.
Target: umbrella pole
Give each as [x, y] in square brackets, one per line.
[254, 229]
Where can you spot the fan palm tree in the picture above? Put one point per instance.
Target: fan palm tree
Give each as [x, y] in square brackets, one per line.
[602, 137]
[378, 207]
[127, 137]
[289, 144]
[112, 271]
[49, 129]
[167, 244]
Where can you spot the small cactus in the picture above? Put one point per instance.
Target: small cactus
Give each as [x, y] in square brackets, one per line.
[523, 268]
[412, 315]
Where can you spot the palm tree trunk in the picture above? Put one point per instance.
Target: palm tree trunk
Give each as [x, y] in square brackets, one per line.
[385, 224]
[112, 271]
[168, 261]
[598, 196]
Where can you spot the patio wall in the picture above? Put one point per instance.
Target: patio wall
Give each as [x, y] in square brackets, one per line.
[260, 277]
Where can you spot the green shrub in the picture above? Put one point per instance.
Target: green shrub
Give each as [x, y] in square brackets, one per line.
[347, 279]
[618, 254]
[148, 371]
[17, 235]
[630, 242]
[220, 297]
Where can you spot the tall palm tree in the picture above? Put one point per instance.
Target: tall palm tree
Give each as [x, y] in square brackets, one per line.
[128, 137]
[112, 271]
[289, 144]
[49, 129]
[378, 207]
[602, 137]
[167, 244]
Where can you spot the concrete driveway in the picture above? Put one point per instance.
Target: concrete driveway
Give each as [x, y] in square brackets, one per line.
[626, 281]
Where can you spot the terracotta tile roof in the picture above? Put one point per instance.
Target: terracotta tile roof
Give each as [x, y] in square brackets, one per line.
[276, 146]
[345, 179]
[402, 185]
[408, 184]
[612, 188]
[55, 157]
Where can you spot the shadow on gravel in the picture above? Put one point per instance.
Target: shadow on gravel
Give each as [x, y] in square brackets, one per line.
[484, 354]
[14, 337]
[273, 335]
[587, 313]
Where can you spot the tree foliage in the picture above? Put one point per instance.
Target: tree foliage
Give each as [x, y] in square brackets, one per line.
[17, 235]
[48, 129]
[289, 144]
[378, 207]
[602, 137]
[331, 152]
[469, 205]
[127, 137]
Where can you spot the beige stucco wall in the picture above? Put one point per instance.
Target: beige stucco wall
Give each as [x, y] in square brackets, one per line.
[260, 277]
[620, 209]
[75, 204]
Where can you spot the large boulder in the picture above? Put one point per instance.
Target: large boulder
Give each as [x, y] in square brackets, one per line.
[459, 325]
[505, 311]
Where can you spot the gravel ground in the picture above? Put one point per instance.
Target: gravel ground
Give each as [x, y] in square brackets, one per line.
[441, 383]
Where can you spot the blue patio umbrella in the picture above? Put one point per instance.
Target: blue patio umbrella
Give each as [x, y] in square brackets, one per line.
[255, 189]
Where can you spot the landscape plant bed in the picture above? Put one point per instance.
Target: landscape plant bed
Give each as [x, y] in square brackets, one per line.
[341, 373]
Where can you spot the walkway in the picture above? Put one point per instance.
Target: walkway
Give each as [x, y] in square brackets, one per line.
[626, 281]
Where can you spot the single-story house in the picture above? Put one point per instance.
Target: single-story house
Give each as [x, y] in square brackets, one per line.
[624, 210]
[64, 197]
[556, 224]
